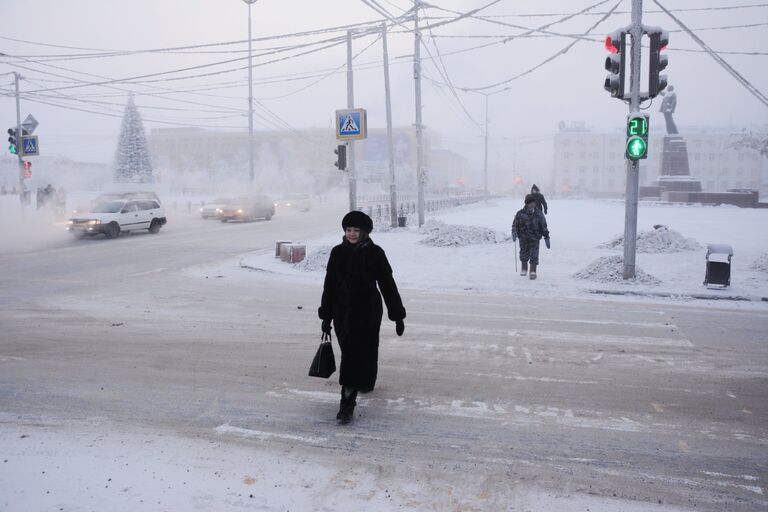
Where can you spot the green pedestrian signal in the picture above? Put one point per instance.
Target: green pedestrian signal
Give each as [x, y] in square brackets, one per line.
[637, 148]
[637, 137]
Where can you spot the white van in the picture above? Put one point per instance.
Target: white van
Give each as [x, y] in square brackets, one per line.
[118, 216]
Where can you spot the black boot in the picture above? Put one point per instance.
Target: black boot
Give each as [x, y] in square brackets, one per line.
[533, 271]
[347, 406]
[524, 269]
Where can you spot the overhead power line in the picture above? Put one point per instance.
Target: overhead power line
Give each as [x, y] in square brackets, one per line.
[738, 76]
[600, 13]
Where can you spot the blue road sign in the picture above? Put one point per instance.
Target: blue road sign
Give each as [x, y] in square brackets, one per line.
[30, 146]
[351, 124]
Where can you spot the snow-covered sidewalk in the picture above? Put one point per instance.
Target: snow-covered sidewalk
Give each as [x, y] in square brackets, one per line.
[578, 228]
[93, 467]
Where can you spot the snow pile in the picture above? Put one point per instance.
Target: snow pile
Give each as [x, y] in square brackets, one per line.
[440, 234]
[659, 240]
[315, 261]
[761, 263]
[610, 269]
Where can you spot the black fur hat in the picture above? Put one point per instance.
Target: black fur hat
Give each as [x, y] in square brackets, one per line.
[356, 219]
[534, 188]
[529, 199]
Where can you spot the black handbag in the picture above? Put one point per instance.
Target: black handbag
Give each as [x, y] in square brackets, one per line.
[324, 363]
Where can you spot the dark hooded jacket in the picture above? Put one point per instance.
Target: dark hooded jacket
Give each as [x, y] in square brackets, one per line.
[352, 301]
[541, 203]
[530, 225]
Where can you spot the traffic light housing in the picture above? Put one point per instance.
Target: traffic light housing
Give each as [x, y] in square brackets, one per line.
[341, 156]
[616, 44]
[27, 169]
[659, 39]
[13, 141]
[637, 136]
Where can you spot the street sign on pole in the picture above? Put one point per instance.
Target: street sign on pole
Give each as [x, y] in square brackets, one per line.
[29, 124]
[351, 124]
[30, 146]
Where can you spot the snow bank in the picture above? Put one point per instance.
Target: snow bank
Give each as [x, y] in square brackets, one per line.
[761, 263]
[440, 234]
[315, 261]
[610, 269]
[659, 240]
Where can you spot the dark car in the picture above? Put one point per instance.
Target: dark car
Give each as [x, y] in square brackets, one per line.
[247, 208]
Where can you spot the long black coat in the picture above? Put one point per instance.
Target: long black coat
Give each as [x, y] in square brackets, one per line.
[352, 301]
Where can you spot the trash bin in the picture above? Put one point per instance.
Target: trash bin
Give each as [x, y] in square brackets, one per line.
[401, 222]
[277, 246]
[718, 265]
[285, 252]
[297, 253]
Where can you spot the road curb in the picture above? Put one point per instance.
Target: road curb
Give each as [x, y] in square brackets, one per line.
[684, 296]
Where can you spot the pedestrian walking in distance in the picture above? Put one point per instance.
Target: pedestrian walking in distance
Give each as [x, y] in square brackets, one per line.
[529, 227]
[352, 301]
[541, 203]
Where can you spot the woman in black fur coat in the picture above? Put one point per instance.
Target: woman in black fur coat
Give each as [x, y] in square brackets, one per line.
[352, 301]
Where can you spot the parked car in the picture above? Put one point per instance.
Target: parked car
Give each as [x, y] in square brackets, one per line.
[248, 208]
[210, 210]
[118, 216]
[296, 202]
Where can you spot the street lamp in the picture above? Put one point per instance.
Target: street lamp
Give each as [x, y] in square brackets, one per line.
[250, 93]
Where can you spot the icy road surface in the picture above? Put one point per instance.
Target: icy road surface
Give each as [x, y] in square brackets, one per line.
[134, 378]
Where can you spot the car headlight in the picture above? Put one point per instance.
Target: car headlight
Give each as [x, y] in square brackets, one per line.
[287, 204]
[201, 210]
[218, 210]
[240, 211]
[70, 222]
[95, 221]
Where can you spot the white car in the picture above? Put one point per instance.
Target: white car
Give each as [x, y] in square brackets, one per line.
[211, 210]
[119, 216]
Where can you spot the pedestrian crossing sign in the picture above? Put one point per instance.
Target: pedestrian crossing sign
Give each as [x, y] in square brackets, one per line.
[30, 146]
[351, 124]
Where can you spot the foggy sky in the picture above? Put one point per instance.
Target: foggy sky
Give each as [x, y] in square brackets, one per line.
[569, 88]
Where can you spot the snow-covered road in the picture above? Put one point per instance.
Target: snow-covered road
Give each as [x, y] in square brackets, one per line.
[153, 373]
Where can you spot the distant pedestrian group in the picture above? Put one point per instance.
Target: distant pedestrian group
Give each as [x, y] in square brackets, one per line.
[529, 227]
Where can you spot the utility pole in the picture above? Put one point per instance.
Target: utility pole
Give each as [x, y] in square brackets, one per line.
[351, 144]
[633, 166]
[19, 142]
[420, 171]
[250, 94]
[390, 145]
[485, 161]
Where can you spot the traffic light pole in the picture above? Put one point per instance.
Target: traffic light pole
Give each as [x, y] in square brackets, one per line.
[485, 159]
[250, 95]
[420, 171]
[351, 144]
[633, 165]
[19, 143]
[390, 148]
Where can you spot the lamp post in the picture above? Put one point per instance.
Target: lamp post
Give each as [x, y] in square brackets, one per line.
[250, 94]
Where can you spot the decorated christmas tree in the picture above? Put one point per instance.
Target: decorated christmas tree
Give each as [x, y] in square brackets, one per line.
[132, 162]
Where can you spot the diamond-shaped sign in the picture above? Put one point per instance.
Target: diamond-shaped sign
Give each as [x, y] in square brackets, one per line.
[29, 124]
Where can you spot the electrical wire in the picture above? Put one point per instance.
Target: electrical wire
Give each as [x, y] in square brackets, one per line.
[323, 77]
[739, 78]
[447, 78]
[693, 9]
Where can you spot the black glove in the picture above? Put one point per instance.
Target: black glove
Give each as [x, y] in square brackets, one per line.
[514, 235]
[399, 327]
[326, 327]
[546, 241]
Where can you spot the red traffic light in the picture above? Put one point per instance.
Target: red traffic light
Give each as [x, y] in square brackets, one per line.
[609, 45]
[27, 165]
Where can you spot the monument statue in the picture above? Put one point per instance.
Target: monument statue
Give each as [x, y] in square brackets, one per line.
[668, 106]
[675, 175]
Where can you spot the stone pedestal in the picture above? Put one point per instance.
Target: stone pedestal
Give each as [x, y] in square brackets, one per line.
[675, 171]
